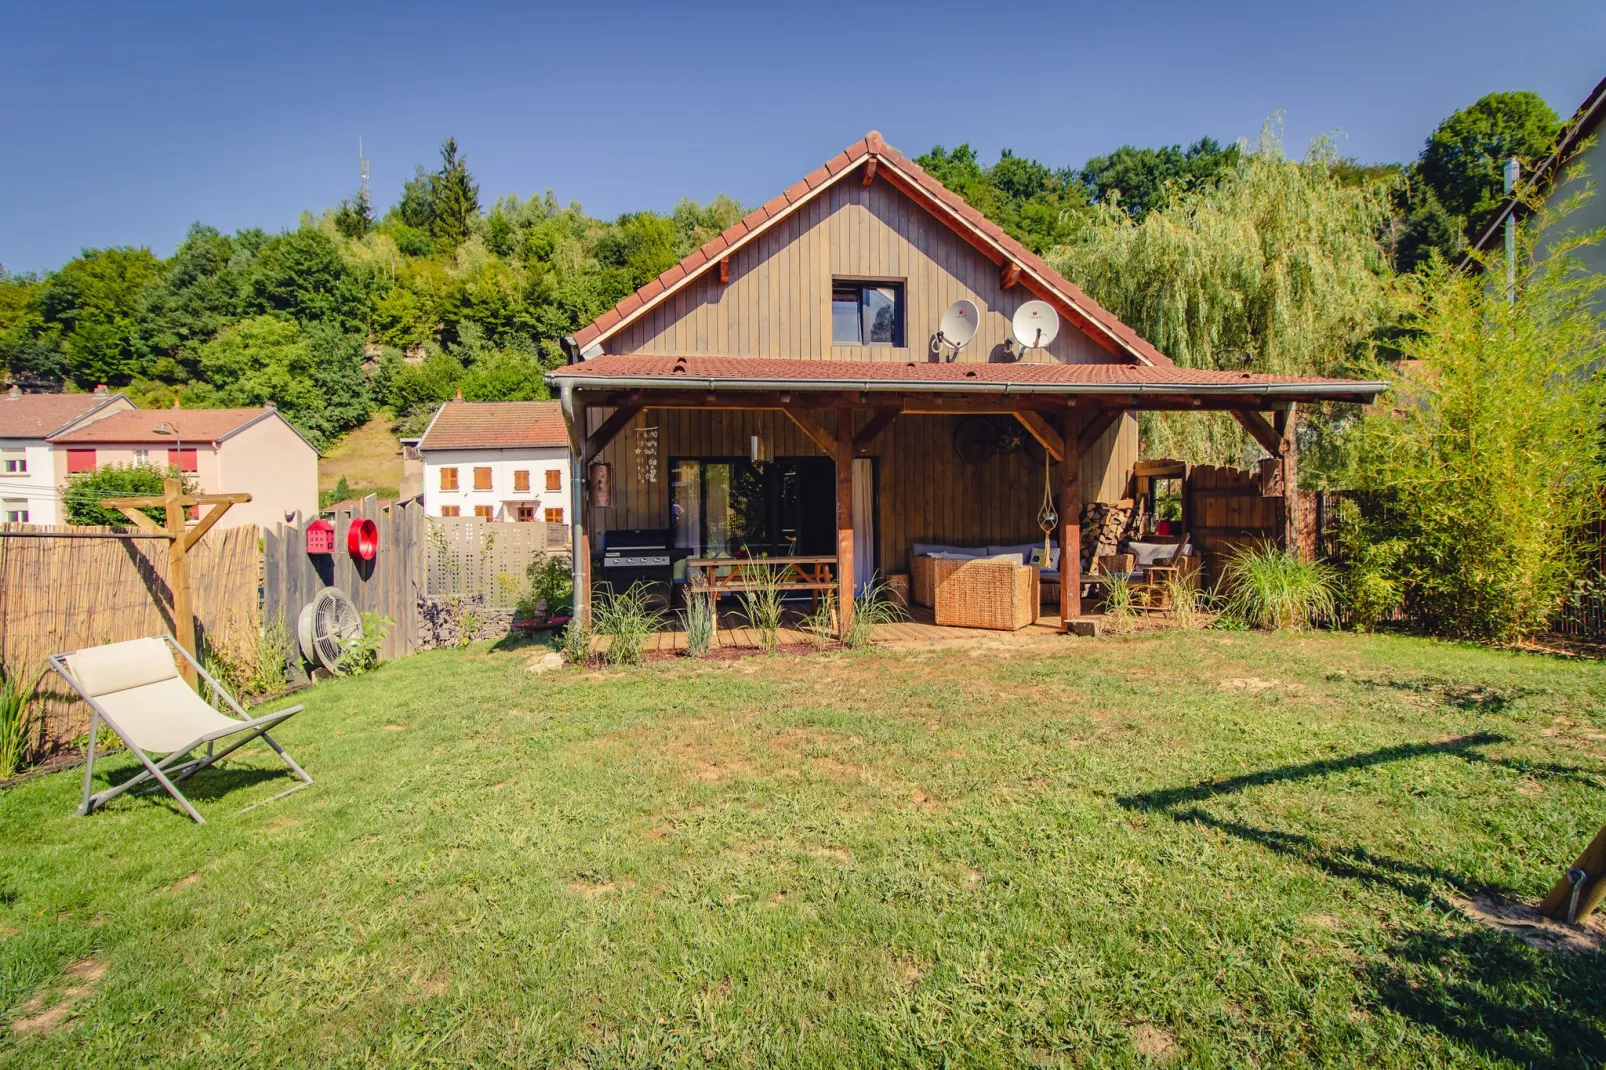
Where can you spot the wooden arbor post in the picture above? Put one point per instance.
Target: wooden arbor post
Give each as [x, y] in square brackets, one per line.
[179, 543]
[1586, 879]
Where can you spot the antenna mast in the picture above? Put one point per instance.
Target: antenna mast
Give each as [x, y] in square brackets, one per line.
[363, 163]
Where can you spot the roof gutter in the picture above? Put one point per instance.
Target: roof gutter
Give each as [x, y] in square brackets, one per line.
[679, 382]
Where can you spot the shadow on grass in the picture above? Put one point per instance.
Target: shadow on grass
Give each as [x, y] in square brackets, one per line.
[1485, 989]
[208, 785]
[1491, 991]
[1462, 696]
[1169, 798]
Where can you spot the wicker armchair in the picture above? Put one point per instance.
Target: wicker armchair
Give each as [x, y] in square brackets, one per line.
[984, 594]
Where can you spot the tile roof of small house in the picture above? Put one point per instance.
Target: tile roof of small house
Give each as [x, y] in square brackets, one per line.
[461, 425]
[638, 371]
[41, 415]
[947, 206]
[138, 426]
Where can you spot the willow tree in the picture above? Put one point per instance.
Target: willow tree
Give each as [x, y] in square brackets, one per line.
[1275, 266]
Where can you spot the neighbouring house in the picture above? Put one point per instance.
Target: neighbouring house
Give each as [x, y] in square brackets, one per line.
[29, 487]
[784, 391]
[1578, 146]
[497, 460]
[256, 451]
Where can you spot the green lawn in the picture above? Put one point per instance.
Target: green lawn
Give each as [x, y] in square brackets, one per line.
[1211, 848]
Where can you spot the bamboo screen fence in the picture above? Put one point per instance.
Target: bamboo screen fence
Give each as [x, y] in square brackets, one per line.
[64, 594]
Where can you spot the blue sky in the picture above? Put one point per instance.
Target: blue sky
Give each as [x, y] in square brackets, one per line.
[123, 124]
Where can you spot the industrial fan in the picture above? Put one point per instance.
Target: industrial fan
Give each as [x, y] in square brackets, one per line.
[327, 624]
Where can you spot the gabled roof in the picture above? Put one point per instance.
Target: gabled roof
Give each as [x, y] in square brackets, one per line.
[466, 425]
[42, 415]
[947, 206]
[195, 427]
[630, 371]
[1584, 123]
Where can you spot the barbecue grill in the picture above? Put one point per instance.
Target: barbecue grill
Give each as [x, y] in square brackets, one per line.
[631, 554]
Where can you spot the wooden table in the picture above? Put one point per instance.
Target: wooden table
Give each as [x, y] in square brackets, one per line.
[733, 575]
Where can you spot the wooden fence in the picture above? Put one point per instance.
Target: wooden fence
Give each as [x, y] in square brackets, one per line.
[1227, 508]
[389, 585]
[60, 594]
[419, 557]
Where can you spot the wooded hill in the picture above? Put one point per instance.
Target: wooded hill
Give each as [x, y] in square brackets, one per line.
[352, 312]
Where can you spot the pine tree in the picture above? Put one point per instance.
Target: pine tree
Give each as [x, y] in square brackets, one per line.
[456, 197]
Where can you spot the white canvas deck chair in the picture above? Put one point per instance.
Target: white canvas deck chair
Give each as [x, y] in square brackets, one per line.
[135, 689]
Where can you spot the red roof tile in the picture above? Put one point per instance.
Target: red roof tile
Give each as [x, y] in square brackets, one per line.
[194, 426]
[959, 214]
[894, 374]
[495, 425]
[40, 415]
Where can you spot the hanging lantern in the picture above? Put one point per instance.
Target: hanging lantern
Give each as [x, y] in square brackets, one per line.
[761, 452]
[599, 481]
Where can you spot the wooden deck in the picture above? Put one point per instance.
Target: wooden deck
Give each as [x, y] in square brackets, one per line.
[920, 627]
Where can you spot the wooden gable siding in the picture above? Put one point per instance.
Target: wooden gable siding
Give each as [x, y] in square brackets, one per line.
[925, 493]
[778, 300]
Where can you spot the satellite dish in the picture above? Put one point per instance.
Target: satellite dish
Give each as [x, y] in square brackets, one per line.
[1035, 325]
[958, 325]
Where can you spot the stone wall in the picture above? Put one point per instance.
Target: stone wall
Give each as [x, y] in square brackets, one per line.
[455, 620]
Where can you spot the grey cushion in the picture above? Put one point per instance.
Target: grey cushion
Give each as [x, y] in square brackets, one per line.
[926, 549]
[1024, 549]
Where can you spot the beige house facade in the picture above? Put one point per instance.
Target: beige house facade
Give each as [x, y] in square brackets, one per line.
[255, 451]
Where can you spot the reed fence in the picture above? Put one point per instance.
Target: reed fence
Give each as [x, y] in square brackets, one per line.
[64, 593]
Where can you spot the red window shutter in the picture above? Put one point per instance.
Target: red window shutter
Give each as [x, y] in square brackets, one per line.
[80, 461]
[183, 460]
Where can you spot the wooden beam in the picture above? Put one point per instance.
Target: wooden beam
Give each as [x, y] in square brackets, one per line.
[1039, 429]
[141, 521]
[212, 516]
[724, 270]
[867, 434]
[1095, 429]
[186, 500]
[870, 170]
[1261, 431]
[821, 436]
[616, 422]
[1009, 276]
[1070, 510]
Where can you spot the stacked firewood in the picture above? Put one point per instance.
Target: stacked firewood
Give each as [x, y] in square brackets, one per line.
[1105, 525]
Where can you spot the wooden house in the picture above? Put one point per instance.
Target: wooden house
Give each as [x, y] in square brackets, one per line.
[806, 336]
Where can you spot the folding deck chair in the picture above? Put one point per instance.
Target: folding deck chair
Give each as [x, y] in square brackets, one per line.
[135, 688]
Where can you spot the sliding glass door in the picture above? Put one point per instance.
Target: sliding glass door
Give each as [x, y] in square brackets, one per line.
[729, 507]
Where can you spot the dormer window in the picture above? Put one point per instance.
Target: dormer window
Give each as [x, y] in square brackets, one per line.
[866, 313]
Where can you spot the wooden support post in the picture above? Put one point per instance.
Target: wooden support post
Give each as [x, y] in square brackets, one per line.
[842, 454]
[575, 415]
[1592, 886]
[178, 575]
[1288, 453]
[1070, 510]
